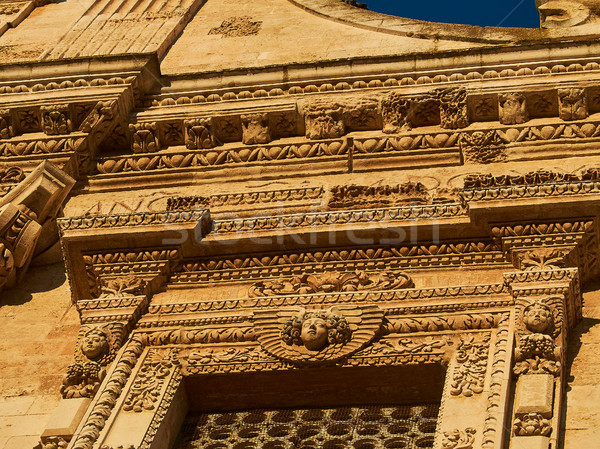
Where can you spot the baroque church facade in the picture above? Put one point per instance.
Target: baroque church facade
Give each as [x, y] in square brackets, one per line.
[297, 224]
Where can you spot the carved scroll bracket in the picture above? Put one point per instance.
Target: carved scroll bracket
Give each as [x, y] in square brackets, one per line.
[27, 217]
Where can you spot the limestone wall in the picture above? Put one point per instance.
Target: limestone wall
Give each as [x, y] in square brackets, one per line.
[582, 415]
[37, 336]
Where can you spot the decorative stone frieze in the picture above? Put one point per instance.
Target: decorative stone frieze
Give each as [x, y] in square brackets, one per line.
[332, 282]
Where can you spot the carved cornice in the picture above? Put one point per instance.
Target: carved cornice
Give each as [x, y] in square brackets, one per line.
[374, 82]
[244, 198]
[135, 219]
[432, 294]
[315, 219]
[336, 148]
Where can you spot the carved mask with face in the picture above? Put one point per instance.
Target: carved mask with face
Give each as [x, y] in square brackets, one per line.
[314, 333]
[538, 319]
[95, 344]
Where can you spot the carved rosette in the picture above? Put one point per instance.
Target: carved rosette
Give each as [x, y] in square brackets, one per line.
[459, 439]
[299, 336]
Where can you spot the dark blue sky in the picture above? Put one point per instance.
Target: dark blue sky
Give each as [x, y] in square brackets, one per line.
[515, 13]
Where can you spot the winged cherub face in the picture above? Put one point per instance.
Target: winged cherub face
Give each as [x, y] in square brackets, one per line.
[95, 344]
[537, 318]
[314, 333]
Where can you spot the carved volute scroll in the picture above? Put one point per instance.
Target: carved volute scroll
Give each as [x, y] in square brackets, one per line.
[316, 336]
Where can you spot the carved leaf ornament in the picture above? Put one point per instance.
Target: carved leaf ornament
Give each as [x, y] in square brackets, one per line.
[299, 336]
[330, 283]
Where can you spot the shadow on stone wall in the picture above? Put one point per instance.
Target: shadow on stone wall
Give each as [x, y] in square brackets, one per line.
[37, 279]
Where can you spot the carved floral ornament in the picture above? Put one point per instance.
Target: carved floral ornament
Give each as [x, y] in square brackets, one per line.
[300, 336]
[331, 282]
[459, 439]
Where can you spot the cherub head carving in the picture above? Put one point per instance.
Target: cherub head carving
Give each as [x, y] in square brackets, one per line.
[99, 343]
[315, 330]
[95, 344]
[316, 336]
[540, 315]
[538, 318]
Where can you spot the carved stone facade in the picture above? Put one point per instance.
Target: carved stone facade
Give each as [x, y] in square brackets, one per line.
[296, 224]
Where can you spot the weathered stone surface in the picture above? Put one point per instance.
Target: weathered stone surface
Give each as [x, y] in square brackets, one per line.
[535, 393]
[264, 204]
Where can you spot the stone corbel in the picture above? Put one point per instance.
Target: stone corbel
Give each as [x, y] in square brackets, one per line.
[27, 219]
[549, 246]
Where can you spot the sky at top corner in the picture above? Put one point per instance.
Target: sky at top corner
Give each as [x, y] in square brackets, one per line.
[507, 13]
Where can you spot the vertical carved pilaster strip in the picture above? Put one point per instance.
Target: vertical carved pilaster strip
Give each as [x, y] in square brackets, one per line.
[105, 402]
[499, 387]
